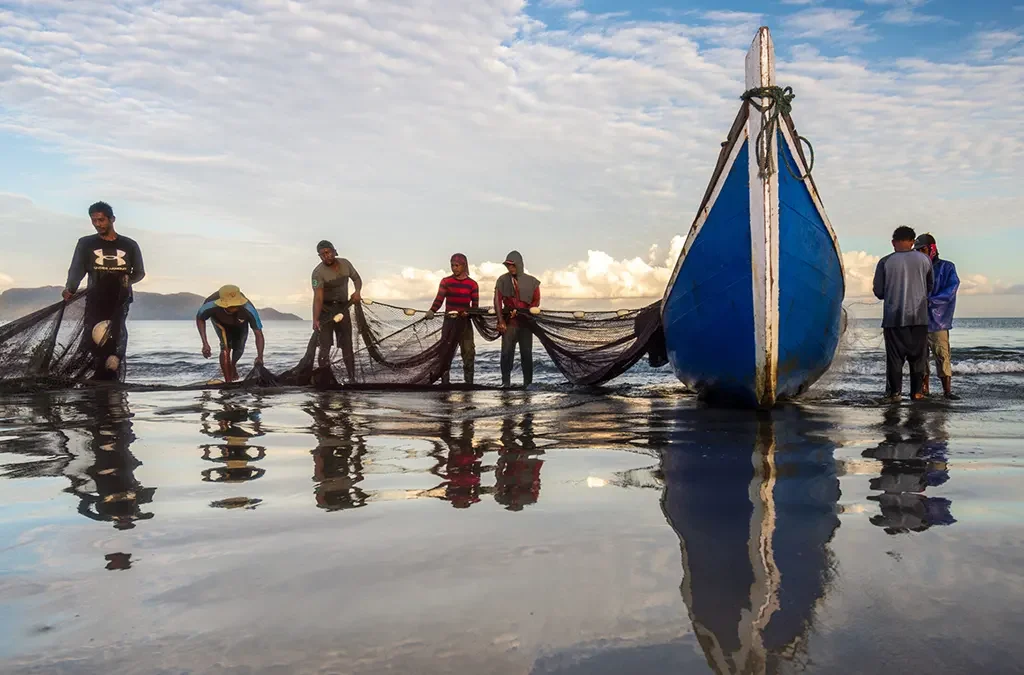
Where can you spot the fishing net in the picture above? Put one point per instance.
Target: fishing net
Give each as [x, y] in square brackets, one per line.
[391, 346]
[83, 338]
[399, 346]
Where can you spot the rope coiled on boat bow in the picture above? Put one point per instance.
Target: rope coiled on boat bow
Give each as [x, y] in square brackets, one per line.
[780, 104]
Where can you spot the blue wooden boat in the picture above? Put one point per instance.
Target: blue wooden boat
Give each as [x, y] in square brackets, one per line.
[753, 310]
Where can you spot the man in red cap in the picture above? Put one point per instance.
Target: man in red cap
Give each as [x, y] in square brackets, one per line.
[459, 293]
[941, 305]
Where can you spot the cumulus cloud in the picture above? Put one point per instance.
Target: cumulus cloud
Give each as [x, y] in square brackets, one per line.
[979, 284]
[860, 271]
[598, 278]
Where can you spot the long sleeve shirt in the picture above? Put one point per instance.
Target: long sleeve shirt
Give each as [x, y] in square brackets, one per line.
[457, 294]
[903, 280]
[108, 264]
[942, 298]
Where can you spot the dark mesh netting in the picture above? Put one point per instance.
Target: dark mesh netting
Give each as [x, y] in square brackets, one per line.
[400, 346]
[390, 346]
[66, 342]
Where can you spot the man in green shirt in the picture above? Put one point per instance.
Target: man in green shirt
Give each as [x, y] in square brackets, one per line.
[331, 301]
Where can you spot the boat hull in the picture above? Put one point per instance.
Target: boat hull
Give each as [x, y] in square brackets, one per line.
[753, 312]
[710, 314]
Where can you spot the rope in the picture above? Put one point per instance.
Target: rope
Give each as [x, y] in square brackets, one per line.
[780, 103]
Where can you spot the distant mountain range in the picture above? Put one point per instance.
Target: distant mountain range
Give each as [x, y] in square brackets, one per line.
[17, 302]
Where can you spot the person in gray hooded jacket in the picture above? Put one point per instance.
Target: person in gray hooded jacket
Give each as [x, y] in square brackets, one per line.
[515, 292]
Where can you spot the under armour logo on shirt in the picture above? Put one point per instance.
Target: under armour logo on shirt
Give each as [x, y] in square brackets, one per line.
[102, 258]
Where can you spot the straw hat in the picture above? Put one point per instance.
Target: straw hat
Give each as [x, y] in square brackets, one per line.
[230, 296]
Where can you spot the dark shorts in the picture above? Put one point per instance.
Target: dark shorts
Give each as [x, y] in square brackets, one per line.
[335, 333]
[232, 339]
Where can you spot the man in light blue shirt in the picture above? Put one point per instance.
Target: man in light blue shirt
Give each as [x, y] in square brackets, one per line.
[232, 315]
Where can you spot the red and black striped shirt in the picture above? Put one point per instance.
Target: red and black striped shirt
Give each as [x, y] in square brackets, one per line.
[457, 294]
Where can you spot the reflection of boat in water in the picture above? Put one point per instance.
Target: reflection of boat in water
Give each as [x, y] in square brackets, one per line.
[753, 311]
[755, 509]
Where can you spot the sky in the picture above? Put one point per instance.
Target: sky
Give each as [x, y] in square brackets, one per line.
[232, 135]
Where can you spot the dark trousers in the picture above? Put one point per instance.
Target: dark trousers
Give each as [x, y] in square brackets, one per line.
[467, 348]
[905, 344]
[517, 333]
[339, 333]
[116, 344]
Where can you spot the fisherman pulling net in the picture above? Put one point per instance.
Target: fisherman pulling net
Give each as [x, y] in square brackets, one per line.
[355, 342]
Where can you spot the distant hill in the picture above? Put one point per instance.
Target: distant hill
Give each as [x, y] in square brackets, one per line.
[17, 302]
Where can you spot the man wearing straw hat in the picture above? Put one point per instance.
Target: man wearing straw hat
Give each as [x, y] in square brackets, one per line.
[232, 315]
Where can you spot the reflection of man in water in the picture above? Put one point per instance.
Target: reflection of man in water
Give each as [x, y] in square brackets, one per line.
[235, 458]
[914, 458]
[338, 457]
[235, 454]
[108, 490]
[462, 466]
[517, 475]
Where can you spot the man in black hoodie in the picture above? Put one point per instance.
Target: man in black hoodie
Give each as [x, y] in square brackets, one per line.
[515, 292]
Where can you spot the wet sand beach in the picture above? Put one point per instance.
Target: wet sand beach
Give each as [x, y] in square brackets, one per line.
[507, 532]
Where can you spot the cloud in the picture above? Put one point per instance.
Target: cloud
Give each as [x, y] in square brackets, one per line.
[405, 130]
[860, 272]
[598, 279]
[979, 284]
[6, 281]
[515, 203]
[727, 16]
[905, 12]
[839, 25]
[991, 41]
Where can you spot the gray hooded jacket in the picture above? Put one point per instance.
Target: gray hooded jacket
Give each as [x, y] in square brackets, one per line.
[528, 284]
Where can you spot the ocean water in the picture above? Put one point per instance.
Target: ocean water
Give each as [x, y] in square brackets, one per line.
[623, 529]
[167, 353]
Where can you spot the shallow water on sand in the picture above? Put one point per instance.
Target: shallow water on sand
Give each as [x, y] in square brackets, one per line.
[507, 532]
